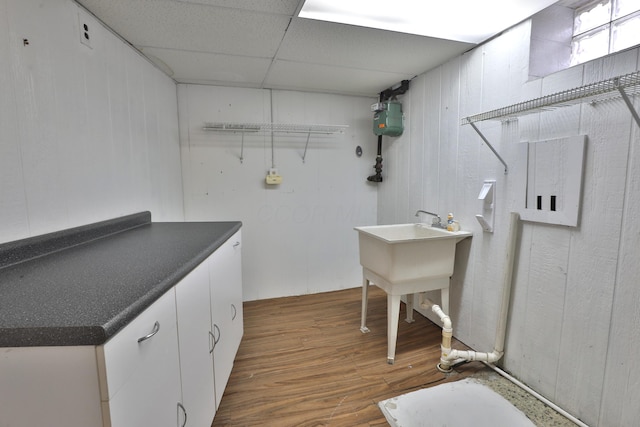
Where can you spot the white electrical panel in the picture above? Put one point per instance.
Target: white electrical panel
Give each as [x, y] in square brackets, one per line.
[553, 182]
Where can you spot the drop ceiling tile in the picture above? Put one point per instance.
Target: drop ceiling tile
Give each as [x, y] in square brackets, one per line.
[358, 47]
[285, 7]
[201, 67]
[190, 26]
[331, 79]
[233, 43]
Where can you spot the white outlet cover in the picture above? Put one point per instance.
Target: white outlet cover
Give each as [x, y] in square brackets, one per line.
[84, 27]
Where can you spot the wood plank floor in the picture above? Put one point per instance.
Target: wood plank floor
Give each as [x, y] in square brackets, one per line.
[304, 362]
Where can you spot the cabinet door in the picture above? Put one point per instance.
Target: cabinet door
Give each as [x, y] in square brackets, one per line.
[196, 346]
[226, 309]
[235, 293]
[141, 376]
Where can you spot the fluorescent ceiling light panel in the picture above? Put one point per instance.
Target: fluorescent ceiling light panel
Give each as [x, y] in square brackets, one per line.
[470, 21]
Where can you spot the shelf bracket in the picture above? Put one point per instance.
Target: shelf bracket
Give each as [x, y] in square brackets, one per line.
[490, 146]
[242, 148]
[627, 101]
[273, 128]
[305, 146]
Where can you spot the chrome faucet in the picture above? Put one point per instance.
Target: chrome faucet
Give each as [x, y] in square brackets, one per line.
[436, 222]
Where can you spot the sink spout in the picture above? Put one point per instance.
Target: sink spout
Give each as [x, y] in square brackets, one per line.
[436, 222]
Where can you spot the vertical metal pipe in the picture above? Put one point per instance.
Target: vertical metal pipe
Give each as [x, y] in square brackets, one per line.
[378, 166]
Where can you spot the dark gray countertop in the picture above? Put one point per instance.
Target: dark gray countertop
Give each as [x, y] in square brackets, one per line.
[80, 286]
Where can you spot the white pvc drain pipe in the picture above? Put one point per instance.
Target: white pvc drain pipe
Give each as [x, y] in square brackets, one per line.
[449, 356]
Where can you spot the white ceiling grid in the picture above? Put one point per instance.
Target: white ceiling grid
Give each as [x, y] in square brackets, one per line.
[263, 44]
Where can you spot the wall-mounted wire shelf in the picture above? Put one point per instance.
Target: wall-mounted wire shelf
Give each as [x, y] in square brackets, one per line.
[620, 87]
[614, 88]
[308, 129]
[275, 127]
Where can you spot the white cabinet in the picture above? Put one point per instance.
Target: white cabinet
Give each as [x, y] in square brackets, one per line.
[177, 376]
[189, 361]
[139, 369]
[225, 277]
[234, 288]
[210, 328]
[168, 367]
[196, 346]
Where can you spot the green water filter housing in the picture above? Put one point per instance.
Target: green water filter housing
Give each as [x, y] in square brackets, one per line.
[388, 118]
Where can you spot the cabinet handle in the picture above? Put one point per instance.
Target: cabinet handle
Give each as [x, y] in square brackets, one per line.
[235, 312]
[213, 335]
[213, 341]
[236, 244]
[155, 330]
[184, 411]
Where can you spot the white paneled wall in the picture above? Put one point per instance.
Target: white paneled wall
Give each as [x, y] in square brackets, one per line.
[574, 328]
[85, 134]
[90, 134]
[298, 236]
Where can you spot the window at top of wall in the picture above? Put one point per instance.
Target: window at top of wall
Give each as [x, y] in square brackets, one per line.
[602, 27]
[571, 32]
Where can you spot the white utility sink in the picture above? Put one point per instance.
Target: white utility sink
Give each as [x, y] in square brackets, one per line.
[404, 259]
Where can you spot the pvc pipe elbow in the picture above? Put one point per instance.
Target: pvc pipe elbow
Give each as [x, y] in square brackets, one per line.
[495, 355]
[447, 325]
[444, 318]
[470, 356]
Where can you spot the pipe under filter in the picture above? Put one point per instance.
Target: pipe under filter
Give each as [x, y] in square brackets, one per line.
[449, 356]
